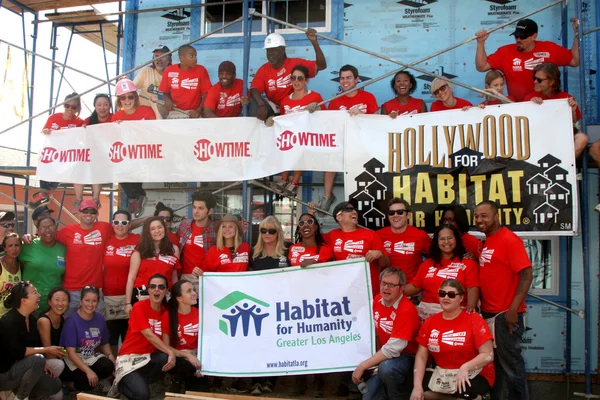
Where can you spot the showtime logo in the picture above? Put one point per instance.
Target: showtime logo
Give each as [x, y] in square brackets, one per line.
[119, 152]
[204, 149]
[288, 139]
[50, 154]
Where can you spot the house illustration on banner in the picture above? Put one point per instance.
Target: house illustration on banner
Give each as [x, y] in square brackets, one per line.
[552, 186]
[368, 192]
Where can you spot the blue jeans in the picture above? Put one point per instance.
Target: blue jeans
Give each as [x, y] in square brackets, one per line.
[136, 384]
[508, 361]
[389, 382]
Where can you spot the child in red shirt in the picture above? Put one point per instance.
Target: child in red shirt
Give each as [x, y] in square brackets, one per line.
[226, 98]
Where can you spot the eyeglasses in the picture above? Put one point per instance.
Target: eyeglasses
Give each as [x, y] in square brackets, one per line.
[161, 286]
[48, 228]
[120, 223]
[309, 222]
[440, 89]
[128, 97]
[89, 211]
[167, 219]
[71, 106]
[397, 212]
[446, 239]
[539, 80]
[271, 231]
[298, 78]
[451, 294]
[9, 225]
[390, 285]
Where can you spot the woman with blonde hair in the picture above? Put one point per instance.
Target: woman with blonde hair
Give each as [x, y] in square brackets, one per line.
[230, 253]
[270, 251]
[442, 91]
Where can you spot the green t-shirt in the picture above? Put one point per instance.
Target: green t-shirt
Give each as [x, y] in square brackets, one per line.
[44, 267]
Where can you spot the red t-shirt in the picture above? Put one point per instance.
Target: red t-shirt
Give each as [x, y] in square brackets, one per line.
[518, 66]
[57, 122]
[365, 101]
[174, 238]
[460, 103]
[87, 120]
[355, 244]
[225, 102]
[140, 113]
[414, 106]
[454, 342]
[559, 95]
[501, 260]
[299, 253]
[142, 317]
[116, 263]
[220, 260]
[405, 250]
[398, 323]
[85, 253]
[289, 105]
[472, 244]
[186, 87]
[429, 278]
[188, 324]
[277, 83]
[160, 264]
[193, 254]
[495, 102]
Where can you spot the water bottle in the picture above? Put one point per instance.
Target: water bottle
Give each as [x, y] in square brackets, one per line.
[363, 387]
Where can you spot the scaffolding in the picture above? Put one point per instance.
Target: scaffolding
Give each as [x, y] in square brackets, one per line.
[95, 24]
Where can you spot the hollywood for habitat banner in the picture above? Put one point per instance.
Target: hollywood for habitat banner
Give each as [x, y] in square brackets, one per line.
[519, 155]
[289, 321]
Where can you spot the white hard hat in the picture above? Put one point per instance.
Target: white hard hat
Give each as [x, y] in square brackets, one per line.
[274, 40]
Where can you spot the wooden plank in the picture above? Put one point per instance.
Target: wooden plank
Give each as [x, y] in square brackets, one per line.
[192, 396]
[42, 5]
[86, 396]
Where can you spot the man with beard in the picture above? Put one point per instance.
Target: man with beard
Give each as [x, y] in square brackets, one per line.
[151, 75]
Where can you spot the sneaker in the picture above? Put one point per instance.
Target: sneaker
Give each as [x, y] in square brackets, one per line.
[291, 190]
[280, 186]
[76, 205]
[257, 390]
[98, 203]
[597, 208]
[267, 387]
[238, 386]
[103, 387]
[39, 198]
[141, 200]
[325, 204]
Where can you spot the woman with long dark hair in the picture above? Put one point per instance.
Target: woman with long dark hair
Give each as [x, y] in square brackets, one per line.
[309, 245]
[50, 326]
[167, 214]
[446, 259]
[102, 110]
[403, 85]
[457, 217]
[155, 255]
[180, 331]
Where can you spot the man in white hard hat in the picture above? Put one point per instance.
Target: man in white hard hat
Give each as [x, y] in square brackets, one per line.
[273, 77]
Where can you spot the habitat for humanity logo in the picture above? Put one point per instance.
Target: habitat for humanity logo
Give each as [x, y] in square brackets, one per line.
[239, 309]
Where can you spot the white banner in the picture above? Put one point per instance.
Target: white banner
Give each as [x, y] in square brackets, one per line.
[192, 150]
[288, 321]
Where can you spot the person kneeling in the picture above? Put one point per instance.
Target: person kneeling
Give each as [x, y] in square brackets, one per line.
[397, 324]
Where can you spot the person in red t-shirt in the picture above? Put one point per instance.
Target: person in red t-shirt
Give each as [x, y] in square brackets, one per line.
[403, 85]
[447, 260]
[230, 253]
[185, 85]
[505, 275]
[457, 217]
[309, 244]
[154, 255]
[352, 241]
[226, 98]
[442, 91]
[180, 331]
[102, 111]
[494, 84]
[273, 77]
[144, 357]
[117, 256]
[167, 214]
[397, 324]
[546, 78]
[404, 244]
[66, 120]
[517, 60]
[458, 341]
[299, 100]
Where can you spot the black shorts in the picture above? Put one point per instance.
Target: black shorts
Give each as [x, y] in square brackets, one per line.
[117, 328]
[479, 386]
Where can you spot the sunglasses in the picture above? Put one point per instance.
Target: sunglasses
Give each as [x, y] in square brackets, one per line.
[440, 89]
[271, 231]
[348, 209]
[72, 107]
[167, 219]
[522, 36]
[89, 211]
[9, 225]
[309, 222]
[299, 78]
[120, 223]
[397, 212]
[161, 286]
[539, 80]
[451, 294]
[128, 97]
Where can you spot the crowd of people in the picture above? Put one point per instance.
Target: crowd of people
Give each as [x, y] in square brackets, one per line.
[86, 305]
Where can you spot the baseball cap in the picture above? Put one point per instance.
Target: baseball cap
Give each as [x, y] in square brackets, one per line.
[340, 206]
[38, 212]
[88, 204]
[7, 216]
[162, 49]
[525, 28]
[274, 40]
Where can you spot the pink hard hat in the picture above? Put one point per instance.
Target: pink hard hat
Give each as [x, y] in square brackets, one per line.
[124, 85]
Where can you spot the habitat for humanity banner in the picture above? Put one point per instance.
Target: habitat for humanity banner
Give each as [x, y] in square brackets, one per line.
[519, 155]
[286, 321]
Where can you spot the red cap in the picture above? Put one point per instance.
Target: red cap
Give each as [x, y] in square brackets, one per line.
[88, 204]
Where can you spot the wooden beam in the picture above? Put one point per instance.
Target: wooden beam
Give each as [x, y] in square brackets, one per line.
[203, 395]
